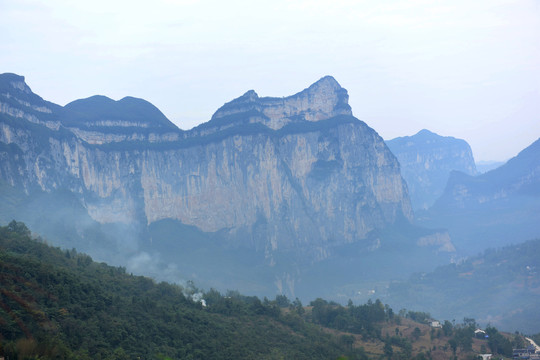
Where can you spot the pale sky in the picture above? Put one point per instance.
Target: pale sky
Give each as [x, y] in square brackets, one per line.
[463, 68]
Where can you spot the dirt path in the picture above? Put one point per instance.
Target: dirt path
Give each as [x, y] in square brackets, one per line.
[533, 344]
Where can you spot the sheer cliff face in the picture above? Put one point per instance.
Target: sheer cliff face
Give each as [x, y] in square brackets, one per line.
[287, 189]
[270, 173]
[426, 160]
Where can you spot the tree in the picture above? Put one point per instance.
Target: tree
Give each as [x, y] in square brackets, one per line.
[320, 311]
[282, 301]
[347, 340]
[297, 305]
[498, 343]
[388, 350]
[416, 333]
[453, 345]
[419, 316]
[19, 228]
[470, 322]
[518, 342]
[389, 312]
[447, 328]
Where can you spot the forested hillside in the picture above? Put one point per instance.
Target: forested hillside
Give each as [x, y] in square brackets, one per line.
[60, 304]
[500, 286]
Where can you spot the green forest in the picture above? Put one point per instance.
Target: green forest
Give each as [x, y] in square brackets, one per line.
[60, 304]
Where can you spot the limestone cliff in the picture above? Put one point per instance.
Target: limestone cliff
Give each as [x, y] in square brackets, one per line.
[323, 100]
[426, 160]
[298, 173]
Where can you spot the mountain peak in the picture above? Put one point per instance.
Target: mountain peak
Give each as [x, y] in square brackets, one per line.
[99, 110]
[426, 132]
[326, 82]
[323, 100]
[426, 137]
[250, 95]
[14, 92]
[427, 160]
[10, 81]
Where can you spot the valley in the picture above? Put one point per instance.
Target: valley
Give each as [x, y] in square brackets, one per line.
[61, 304]
[290, 196]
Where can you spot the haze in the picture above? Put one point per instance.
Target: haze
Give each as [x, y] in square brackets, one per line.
[458, 68]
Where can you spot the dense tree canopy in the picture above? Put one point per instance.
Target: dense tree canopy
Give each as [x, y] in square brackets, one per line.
[61, 304]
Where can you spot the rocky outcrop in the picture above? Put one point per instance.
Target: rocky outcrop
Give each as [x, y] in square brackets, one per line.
[323, 100]
[426, 160]
[298, 173]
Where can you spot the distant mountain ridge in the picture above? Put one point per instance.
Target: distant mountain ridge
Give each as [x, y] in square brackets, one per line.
[519, 176]
[492, 209]
[426, 160]
[485, 166]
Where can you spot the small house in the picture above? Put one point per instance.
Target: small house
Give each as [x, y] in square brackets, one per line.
[480, 334]
[435, 324]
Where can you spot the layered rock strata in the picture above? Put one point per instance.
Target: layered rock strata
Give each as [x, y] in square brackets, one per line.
[273, 174]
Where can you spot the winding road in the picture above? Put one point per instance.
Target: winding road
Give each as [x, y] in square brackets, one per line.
[533, 344]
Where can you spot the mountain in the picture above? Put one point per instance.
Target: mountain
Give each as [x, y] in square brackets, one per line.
[323, 100]
[99, 111]
[426, 160]
[283, 182]
[485, 166]
[100, 120]
[493, 209]
[500, 287]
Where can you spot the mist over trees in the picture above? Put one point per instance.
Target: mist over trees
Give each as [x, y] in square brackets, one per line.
[61, 304]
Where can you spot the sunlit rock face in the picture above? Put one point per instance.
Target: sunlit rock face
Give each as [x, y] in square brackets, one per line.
[426, 160]
[274, 174]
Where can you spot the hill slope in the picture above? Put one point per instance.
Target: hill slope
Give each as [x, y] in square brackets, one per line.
[59, 304]
[62, 305]
[501, 287]
[499, 207]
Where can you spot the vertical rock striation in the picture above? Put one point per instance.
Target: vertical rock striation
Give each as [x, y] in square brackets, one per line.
[426, 160]
[298, 173]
